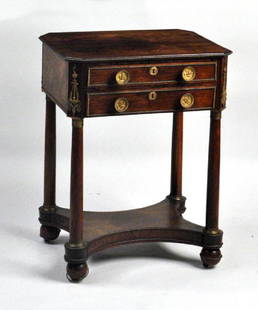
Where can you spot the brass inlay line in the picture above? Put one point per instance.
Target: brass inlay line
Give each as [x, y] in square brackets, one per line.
[149, 90]
[150, 112]
[157, 82]
[175, 64]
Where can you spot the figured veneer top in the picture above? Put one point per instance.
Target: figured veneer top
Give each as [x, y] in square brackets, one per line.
[133, 44]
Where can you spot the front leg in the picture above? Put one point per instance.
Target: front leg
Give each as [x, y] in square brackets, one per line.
[211, 255]
[75, 249]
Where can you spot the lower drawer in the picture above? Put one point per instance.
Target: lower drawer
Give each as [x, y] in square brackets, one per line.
[150, 101]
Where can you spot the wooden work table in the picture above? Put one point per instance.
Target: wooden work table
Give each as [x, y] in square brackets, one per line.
[114, 73]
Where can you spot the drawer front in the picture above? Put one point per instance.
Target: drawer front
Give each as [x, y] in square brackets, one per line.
[160, 100]
[152, 73]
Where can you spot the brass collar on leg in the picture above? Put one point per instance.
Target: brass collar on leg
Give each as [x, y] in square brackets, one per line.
[77, 122]
[216, 114]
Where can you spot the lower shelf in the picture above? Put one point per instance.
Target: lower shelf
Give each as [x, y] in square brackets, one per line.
[158, 222]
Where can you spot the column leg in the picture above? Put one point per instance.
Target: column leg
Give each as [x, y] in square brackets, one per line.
[177, 163]
[75, 255]
[49, 205]
[211, 255]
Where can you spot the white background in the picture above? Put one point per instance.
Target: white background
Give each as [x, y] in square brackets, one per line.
[127, 161]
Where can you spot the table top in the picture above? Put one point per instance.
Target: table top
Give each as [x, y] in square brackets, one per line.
[133, 44]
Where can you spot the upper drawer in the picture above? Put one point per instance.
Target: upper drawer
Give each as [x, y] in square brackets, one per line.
[152, 73]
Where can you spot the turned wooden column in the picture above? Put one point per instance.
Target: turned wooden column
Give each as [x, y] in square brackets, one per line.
[177, 155]
[211, 255]
[76, 189]
[47, 232]
[177, 162]
[212, 204]
[50, 157]
[75, 249]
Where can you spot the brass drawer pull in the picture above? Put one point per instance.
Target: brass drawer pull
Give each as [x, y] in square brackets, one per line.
[187, 100]
[121, 105]
[188, 74]
[153, 71]
[152, 95]
[122, 77]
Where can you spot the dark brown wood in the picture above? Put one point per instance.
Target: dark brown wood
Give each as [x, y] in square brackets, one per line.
[79, 75]
[50, 156]
[133, 44]
[177, 155]
[76, 194]
[159, 222]
[77, 268]
[55, 77]
[76, 272]
[49, 233]
[177, 163]
[169, 50]
[168, 100]
[211, 257]
[168, 72]
[212, 207]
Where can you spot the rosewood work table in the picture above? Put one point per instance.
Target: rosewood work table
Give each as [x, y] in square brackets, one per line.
[111, 73]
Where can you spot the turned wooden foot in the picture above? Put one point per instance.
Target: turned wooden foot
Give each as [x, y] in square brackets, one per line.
[210, 257]
[76, 272]
[49, 233]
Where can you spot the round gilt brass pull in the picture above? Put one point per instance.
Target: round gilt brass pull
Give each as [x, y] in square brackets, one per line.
[187, 100]
[188, 74]
[153, 71]
[152, 95]
[121, 105]
[122, 77]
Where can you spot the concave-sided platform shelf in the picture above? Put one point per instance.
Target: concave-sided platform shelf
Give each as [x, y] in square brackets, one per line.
[158, 222]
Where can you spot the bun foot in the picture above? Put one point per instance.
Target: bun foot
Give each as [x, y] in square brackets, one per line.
[76, 272]
[49, 233]
[210, 257]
